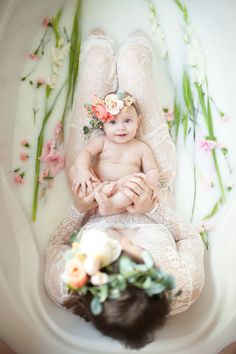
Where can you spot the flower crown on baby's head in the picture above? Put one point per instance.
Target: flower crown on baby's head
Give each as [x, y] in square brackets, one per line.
[103, 110]
[86, 259]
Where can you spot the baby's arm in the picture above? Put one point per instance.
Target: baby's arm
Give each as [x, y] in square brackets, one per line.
[149, 166]
[84, 176]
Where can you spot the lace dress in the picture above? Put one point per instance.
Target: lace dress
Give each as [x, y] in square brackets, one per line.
[174, 245]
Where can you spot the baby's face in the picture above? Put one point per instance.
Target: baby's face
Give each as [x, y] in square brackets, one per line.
[123, 128]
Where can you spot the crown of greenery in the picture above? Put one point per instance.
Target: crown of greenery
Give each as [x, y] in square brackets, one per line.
[101, 110]
[144, 276]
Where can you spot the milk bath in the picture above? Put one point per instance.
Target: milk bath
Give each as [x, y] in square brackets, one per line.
[27, 312]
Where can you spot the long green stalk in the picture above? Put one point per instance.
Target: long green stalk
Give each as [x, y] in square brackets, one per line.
[38, 154]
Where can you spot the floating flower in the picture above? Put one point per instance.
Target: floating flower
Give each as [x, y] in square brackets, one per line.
[34, 57]
[113, 104]
[24, 142]
[41, 82]
[223, 117]
[46, 21]
[19, 179]
[205, 227]
[44, 174]
[55, 162]
[24, 157]
[58, 132]
[230, 185]
[208, 145]
[157, 31]
[169, 115]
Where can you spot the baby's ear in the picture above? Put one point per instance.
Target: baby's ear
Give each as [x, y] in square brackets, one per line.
[139, 119]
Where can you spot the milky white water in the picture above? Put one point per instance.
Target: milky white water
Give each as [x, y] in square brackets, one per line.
[20, 33]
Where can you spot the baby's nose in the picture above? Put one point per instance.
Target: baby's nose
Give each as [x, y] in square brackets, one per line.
[121, 125]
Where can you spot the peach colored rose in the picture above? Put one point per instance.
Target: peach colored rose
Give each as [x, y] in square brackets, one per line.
[101, 113]
[74, 274]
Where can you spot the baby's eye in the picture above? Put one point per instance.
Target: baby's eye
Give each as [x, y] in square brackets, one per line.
[128, 120]
[112, 121]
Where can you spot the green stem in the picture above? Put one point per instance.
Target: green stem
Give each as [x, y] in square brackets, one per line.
[219, 176]
[38, 154]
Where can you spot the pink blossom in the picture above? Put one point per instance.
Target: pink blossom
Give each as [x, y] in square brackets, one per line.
[24, 157]
[18, 179]
[208, 145]
[224, 118]
[43, 174]
[24, 142]
[48, 150]
[41, 82]
[169, 115]
[55, 162]
[58, 131]
[46, 21]
[33, 56]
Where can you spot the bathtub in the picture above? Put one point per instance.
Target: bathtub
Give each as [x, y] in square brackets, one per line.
[30, 322]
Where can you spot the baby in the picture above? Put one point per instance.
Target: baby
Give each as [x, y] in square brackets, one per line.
[114, 155]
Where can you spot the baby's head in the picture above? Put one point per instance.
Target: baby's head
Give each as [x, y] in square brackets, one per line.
[117, 114]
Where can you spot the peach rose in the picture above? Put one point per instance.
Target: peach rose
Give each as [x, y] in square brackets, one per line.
[74, 274]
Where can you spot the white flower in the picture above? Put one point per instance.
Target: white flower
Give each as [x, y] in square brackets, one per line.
[113, 104]
[98, 247]
[99, 278]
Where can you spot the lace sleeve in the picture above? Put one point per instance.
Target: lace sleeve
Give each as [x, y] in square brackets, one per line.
[190, 250]
[178, 228]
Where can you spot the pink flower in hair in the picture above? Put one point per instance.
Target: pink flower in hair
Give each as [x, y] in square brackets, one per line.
[101, 113]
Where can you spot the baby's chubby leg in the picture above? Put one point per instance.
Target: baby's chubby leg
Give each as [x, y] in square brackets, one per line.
[110, 198]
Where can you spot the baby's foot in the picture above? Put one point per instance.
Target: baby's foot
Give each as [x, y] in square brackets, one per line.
[104, 204]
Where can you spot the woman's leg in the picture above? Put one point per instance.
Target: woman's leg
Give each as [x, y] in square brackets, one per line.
[97, 76]
[134, 71]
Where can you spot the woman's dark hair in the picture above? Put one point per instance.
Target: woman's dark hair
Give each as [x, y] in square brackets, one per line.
[132, 318]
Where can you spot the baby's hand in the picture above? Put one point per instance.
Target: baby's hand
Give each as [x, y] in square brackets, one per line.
[84, 180]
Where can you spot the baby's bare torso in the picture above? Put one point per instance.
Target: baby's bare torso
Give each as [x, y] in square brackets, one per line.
[118, 160]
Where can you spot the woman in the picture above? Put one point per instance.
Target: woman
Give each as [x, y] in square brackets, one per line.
[174, 245]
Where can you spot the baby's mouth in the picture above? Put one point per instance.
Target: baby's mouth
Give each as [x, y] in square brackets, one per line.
[124, 134]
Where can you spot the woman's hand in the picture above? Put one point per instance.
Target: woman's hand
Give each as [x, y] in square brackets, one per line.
[85, 203]
[141, 193]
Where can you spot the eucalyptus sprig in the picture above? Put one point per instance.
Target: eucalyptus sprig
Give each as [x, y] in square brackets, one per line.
[143, 276]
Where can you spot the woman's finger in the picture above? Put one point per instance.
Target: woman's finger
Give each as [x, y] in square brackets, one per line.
[134, 187]
[89, 186]
[130, 194]
[83, 186]
[139, 182]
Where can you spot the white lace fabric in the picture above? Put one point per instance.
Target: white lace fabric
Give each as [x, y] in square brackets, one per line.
[174, 244]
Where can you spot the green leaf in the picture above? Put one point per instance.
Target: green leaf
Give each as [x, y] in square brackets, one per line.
[125, 265]
[177, 115]
[86, 130]
[185, 125]
[187, 92]
[72, 238]
[147, 258]
[155, 289]
[214, 210]
[202, 102]
[95, 306]
[103, 292]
